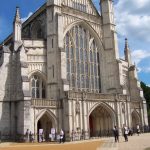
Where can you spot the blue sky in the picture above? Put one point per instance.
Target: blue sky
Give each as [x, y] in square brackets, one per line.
[132, 20]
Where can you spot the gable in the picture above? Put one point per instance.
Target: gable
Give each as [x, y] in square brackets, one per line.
[86, 6]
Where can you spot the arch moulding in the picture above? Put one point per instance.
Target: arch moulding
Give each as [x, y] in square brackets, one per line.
[50, 114]
[106, 106]
[88, 27]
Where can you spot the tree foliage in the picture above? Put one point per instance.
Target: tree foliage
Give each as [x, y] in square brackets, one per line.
[146, 91]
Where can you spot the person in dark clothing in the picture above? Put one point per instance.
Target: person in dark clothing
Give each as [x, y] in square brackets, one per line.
[125, 132]
[116, 134]
[64, 138]
[0, 137]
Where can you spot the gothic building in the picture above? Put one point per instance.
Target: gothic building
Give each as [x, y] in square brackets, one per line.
[61, 69]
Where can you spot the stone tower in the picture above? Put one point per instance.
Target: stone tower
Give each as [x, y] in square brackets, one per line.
[54, 47]
[110, 46]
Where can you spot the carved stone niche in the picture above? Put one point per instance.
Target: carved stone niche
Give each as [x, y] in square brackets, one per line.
[123, 107]
[77, 107]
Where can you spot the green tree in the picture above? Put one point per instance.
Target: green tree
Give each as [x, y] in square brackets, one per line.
[146, 92]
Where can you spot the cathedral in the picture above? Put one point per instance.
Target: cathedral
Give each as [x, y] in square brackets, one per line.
[60, 69]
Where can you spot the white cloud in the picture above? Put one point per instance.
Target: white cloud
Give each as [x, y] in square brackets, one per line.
[25, 18]
[139, 69]
[133, 19]
[139, 55]
[146, 70]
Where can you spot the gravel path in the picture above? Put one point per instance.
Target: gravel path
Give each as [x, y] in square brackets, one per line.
[135, 142]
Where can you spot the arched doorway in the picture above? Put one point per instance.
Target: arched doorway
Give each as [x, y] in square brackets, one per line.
[101, 122]
[135, 120]
[45, 123]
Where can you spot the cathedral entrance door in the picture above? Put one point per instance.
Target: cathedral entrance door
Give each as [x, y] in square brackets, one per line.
[100, 122]
[44, 123]
[135, 120]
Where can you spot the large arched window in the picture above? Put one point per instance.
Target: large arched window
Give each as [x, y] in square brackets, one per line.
[37, 87]
[83, 68]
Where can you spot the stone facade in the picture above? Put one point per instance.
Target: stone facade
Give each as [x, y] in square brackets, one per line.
[61, 69]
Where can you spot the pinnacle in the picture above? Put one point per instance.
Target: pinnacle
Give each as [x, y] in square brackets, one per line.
[17, 15]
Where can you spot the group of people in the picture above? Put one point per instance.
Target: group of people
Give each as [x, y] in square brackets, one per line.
[77, 135]
[29, 136]
[126, 131]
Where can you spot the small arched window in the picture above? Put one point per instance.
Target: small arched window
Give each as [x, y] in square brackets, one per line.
[37, 87]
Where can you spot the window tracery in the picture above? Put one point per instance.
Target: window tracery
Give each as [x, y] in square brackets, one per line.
[83, 72]
[37, 87]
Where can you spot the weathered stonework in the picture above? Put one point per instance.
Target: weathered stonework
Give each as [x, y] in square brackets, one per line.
[39, 77]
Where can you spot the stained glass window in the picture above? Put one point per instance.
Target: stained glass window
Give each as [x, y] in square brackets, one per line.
[83, 71]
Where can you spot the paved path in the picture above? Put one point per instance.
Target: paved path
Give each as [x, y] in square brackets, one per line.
[135, 143]
[108, 144]
[78, 145]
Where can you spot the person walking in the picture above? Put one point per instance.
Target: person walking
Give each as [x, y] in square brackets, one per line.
[72, 135]
[61, 135]
[30, 136]
[0, 137]
[116, 134]
[27, 136]
[138, 129]
[125, 132]
[64, 138]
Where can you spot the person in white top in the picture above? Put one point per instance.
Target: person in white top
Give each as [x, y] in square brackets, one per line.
[61, 135]
[125, 131]
[138, 129]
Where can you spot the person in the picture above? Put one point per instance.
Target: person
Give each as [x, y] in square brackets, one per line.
[41, 135]
[27, 135]
[30, 136]
[125, 132]
[61, 135]
[0, 137]
[116, 134]
[43, 139]
[130, 131]
[72, 135]
[64, 138]
[138, 130]
[82, 134]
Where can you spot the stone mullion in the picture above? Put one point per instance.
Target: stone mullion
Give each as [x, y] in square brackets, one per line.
[70, 60]
[35, 88]
[97, 76]
[88, 56]
[79, 58]
[75, 58]
[95, 64]
[76, 70]
[83, 61]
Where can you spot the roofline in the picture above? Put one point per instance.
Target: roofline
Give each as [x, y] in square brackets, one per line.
[35, 14]
[95, 8]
